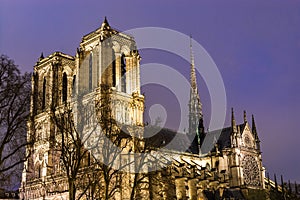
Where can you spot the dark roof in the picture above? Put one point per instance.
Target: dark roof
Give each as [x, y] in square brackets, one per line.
[220, 137]
[158, 137]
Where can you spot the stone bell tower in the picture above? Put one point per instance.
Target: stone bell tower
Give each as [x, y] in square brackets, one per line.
[108, 57]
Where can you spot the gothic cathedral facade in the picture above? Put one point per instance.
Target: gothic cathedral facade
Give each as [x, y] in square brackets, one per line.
[108, 57]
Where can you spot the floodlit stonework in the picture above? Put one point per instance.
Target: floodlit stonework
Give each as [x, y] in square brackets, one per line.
[230, 169]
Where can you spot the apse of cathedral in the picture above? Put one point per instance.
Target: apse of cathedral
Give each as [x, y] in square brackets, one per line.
[219, 164]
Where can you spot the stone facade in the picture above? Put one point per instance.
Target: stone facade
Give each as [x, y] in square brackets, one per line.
[107, 57]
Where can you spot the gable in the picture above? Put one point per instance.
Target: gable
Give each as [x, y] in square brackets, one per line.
[247, 137]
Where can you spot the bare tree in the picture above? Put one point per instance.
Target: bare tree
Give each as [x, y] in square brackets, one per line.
[15, 90]
[69, 152]
[87, 145]
[90, 145]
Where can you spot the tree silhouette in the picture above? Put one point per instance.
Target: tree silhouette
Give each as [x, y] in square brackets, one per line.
[15, 91]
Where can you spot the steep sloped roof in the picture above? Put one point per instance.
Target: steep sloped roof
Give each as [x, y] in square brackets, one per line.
[157, 137]
[220, 137]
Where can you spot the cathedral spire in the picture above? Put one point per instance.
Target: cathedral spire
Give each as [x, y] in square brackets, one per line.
[196, 127]
[193, 80]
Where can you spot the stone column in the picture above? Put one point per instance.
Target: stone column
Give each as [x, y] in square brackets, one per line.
[180, 188]
[138, 75]
[134, 74]
[192, 184]
[118, 71]
[201, 186]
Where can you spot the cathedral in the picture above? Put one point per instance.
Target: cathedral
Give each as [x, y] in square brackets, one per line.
[105, 73]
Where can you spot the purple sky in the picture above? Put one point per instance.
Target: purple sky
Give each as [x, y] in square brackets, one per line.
[255, 44]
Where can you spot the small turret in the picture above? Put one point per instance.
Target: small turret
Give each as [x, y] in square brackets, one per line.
[41, 57]
[282, 185]
[105, 24]
[245, 117]
[275, 180]
[233, 123]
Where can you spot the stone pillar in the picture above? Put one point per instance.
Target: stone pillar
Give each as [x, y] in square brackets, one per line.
[180, 188]
[201, 186]
[138, 75]
[118, 71]
[192, 184]
[133, 74]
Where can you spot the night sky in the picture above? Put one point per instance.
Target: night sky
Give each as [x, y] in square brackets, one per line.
[255, 45]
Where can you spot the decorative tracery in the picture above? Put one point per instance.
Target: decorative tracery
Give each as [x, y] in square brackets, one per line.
[251, 171]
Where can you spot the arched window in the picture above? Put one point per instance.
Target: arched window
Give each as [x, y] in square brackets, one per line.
[64, 88]
[90, 71]
[113, 69]
[44, 94]
[123, 73]
[207, 166]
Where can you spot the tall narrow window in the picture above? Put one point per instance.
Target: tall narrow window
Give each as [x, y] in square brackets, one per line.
[113, 69]
[44, 94]
[39, 173]
[64, 88]
[36, 92]
[89, 159]
[90, 71]
[123, 73]
[73, 85]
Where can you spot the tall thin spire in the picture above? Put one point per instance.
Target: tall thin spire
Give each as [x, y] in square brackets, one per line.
[253, 126]
[196, 127]
[254, 132]
[275, 180]
[245, 116]
[282, 185]
[193, 72]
